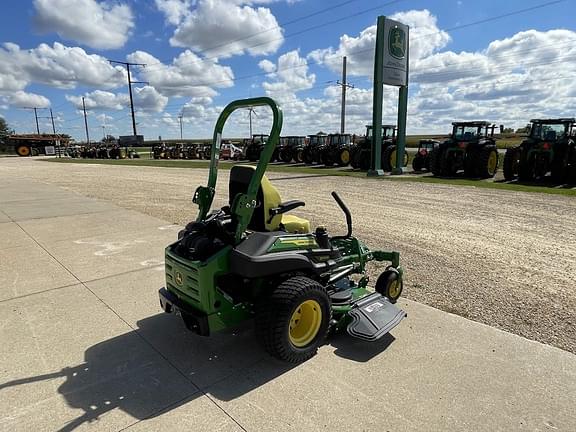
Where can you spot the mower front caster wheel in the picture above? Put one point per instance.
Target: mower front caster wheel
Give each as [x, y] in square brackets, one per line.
[390, 285]
[293, 321]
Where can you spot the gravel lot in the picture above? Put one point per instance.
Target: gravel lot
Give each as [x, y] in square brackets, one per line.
[507, 259]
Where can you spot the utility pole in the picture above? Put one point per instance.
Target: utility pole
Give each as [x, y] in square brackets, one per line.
[85, 121]
[36, 117]
[130, 82]
[344, 86]
[180, 118]
[52, 118]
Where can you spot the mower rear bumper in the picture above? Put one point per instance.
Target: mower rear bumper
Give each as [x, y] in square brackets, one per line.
[194, 320]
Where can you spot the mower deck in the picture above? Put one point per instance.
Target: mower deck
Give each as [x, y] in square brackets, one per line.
[373, 316]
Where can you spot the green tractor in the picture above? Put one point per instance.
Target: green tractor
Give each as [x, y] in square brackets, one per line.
[471, 147]
[312, 151]
[255, 147]
[251, 261]
[337, 150]
[293, 149]
[421, 161]
[361, 151]
[549, 148]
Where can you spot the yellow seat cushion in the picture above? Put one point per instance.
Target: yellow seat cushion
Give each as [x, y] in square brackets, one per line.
[295, 224]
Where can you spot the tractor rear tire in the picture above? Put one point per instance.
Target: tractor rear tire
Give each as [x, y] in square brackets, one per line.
[307, 157]
[389, 158]
[299, 156]
[417, 163]
[487, 162]
[435, 159]
[365, 156]
[447, 166]
[511, 163]
[343, 157]
[23, 150]
[326, 159]
[390, 285]
[286, 155]
[293, 321]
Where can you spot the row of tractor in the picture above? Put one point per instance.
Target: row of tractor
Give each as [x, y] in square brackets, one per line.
[549, 150]
[330, 149]
[101, 151]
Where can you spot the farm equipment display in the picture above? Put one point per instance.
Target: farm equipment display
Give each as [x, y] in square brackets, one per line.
[549, 149]
[34, 144]
[229, 151]
[312, 152]
[471, 148]
[421, 159]
[292, 150]
[255, 147]
[361, 151]
[251, 260]
[336, 150]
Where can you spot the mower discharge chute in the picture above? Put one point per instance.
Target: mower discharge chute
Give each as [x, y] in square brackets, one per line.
[251, 260]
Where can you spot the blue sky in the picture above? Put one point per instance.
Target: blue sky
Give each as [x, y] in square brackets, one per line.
[486, 70]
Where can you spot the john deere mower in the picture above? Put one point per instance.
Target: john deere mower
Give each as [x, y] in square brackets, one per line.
[550, 148]
[250, 260]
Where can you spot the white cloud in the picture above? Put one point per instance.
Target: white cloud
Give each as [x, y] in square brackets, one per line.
[188, 75]
[148, 99]
[291, 75]
[425, 39]
[221, 28]
[21, 99]
[58, 66]
[267, 66]
[101, 25]
[99, 99]
[174, 10]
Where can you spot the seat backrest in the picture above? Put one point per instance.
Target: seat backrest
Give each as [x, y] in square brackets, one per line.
[267, 197]
[551, 135]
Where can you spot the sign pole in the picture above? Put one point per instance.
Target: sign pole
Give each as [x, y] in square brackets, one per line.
[376, 153]
[402, 112]
[390, 68]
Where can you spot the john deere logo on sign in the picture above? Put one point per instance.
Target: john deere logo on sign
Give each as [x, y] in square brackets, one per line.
[397, 42]
[178, 278]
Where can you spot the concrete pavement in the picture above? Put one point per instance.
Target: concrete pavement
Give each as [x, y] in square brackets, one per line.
[85, 346]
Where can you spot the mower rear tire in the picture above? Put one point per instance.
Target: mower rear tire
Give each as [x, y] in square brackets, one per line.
[293, 321]
[390, 285]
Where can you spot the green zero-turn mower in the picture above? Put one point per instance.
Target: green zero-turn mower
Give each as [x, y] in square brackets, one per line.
[250, 260]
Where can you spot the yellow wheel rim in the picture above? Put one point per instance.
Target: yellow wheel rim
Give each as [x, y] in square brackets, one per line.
[492, 162]
[393, 159]
[305, 323]
[23, 151]
[394, 289]
[345, 156]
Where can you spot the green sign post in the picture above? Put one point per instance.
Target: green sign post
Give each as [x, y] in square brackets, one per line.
[390, 68]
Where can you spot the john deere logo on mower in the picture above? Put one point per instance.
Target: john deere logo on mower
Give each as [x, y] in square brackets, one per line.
[397, 43]
[178, 278]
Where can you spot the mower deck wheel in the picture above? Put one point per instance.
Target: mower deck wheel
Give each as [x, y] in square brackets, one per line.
[293, 321]
[390, 285]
